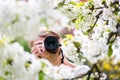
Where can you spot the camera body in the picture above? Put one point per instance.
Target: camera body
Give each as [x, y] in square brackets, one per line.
[51, 44]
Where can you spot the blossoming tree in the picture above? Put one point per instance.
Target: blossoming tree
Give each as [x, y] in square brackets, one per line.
[95, 35]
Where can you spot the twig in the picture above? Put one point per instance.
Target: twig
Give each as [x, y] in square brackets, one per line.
[97, 17]
[88, 73]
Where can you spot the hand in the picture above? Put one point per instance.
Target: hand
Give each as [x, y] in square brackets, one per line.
[38, 48]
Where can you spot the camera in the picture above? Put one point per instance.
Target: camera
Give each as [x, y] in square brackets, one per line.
[51, 44]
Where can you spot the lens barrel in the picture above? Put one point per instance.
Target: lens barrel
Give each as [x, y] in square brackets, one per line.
[51, 44]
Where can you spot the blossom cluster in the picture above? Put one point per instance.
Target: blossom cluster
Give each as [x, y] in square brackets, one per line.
[17, 64]
[21, 18]
[96, 24]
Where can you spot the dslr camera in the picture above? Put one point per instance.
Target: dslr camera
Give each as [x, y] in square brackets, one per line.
[51, 44]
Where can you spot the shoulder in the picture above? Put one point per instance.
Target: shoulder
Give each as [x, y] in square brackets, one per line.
[81, 70]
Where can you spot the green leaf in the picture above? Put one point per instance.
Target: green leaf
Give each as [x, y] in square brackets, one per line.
[85, 33]
[110, 50]
[72, 2]
[2, 78]
[61, 4]
[7, 61]
[77, 24]
[103, 1]
[90, 5]
[69, 36]
[41, 75]
[79, 20]
[77, 44]
[6, 73]
[27, 64]
[23, 43]
[43, 64]
[80, 4]
[16, 19]
[107, 30]
[44, 21]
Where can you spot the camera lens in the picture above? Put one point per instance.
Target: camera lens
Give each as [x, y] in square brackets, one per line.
[51, 44]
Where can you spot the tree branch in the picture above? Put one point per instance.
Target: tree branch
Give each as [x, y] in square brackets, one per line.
[97, 17]
[88, 73]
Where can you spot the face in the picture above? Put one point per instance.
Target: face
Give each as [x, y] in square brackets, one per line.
[39, 50]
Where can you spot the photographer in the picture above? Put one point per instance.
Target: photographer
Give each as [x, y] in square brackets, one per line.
[47, 45]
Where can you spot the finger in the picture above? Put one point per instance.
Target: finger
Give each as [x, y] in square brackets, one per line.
[33, 48]
[38, 55]
[39, 42]
[36, 48]
[35, 52]
[39, 49]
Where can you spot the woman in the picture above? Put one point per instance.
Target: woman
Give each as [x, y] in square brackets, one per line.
[57, 58]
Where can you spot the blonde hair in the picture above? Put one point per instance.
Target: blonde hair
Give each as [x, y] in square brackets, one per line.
[49, 33]
[45, 34]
